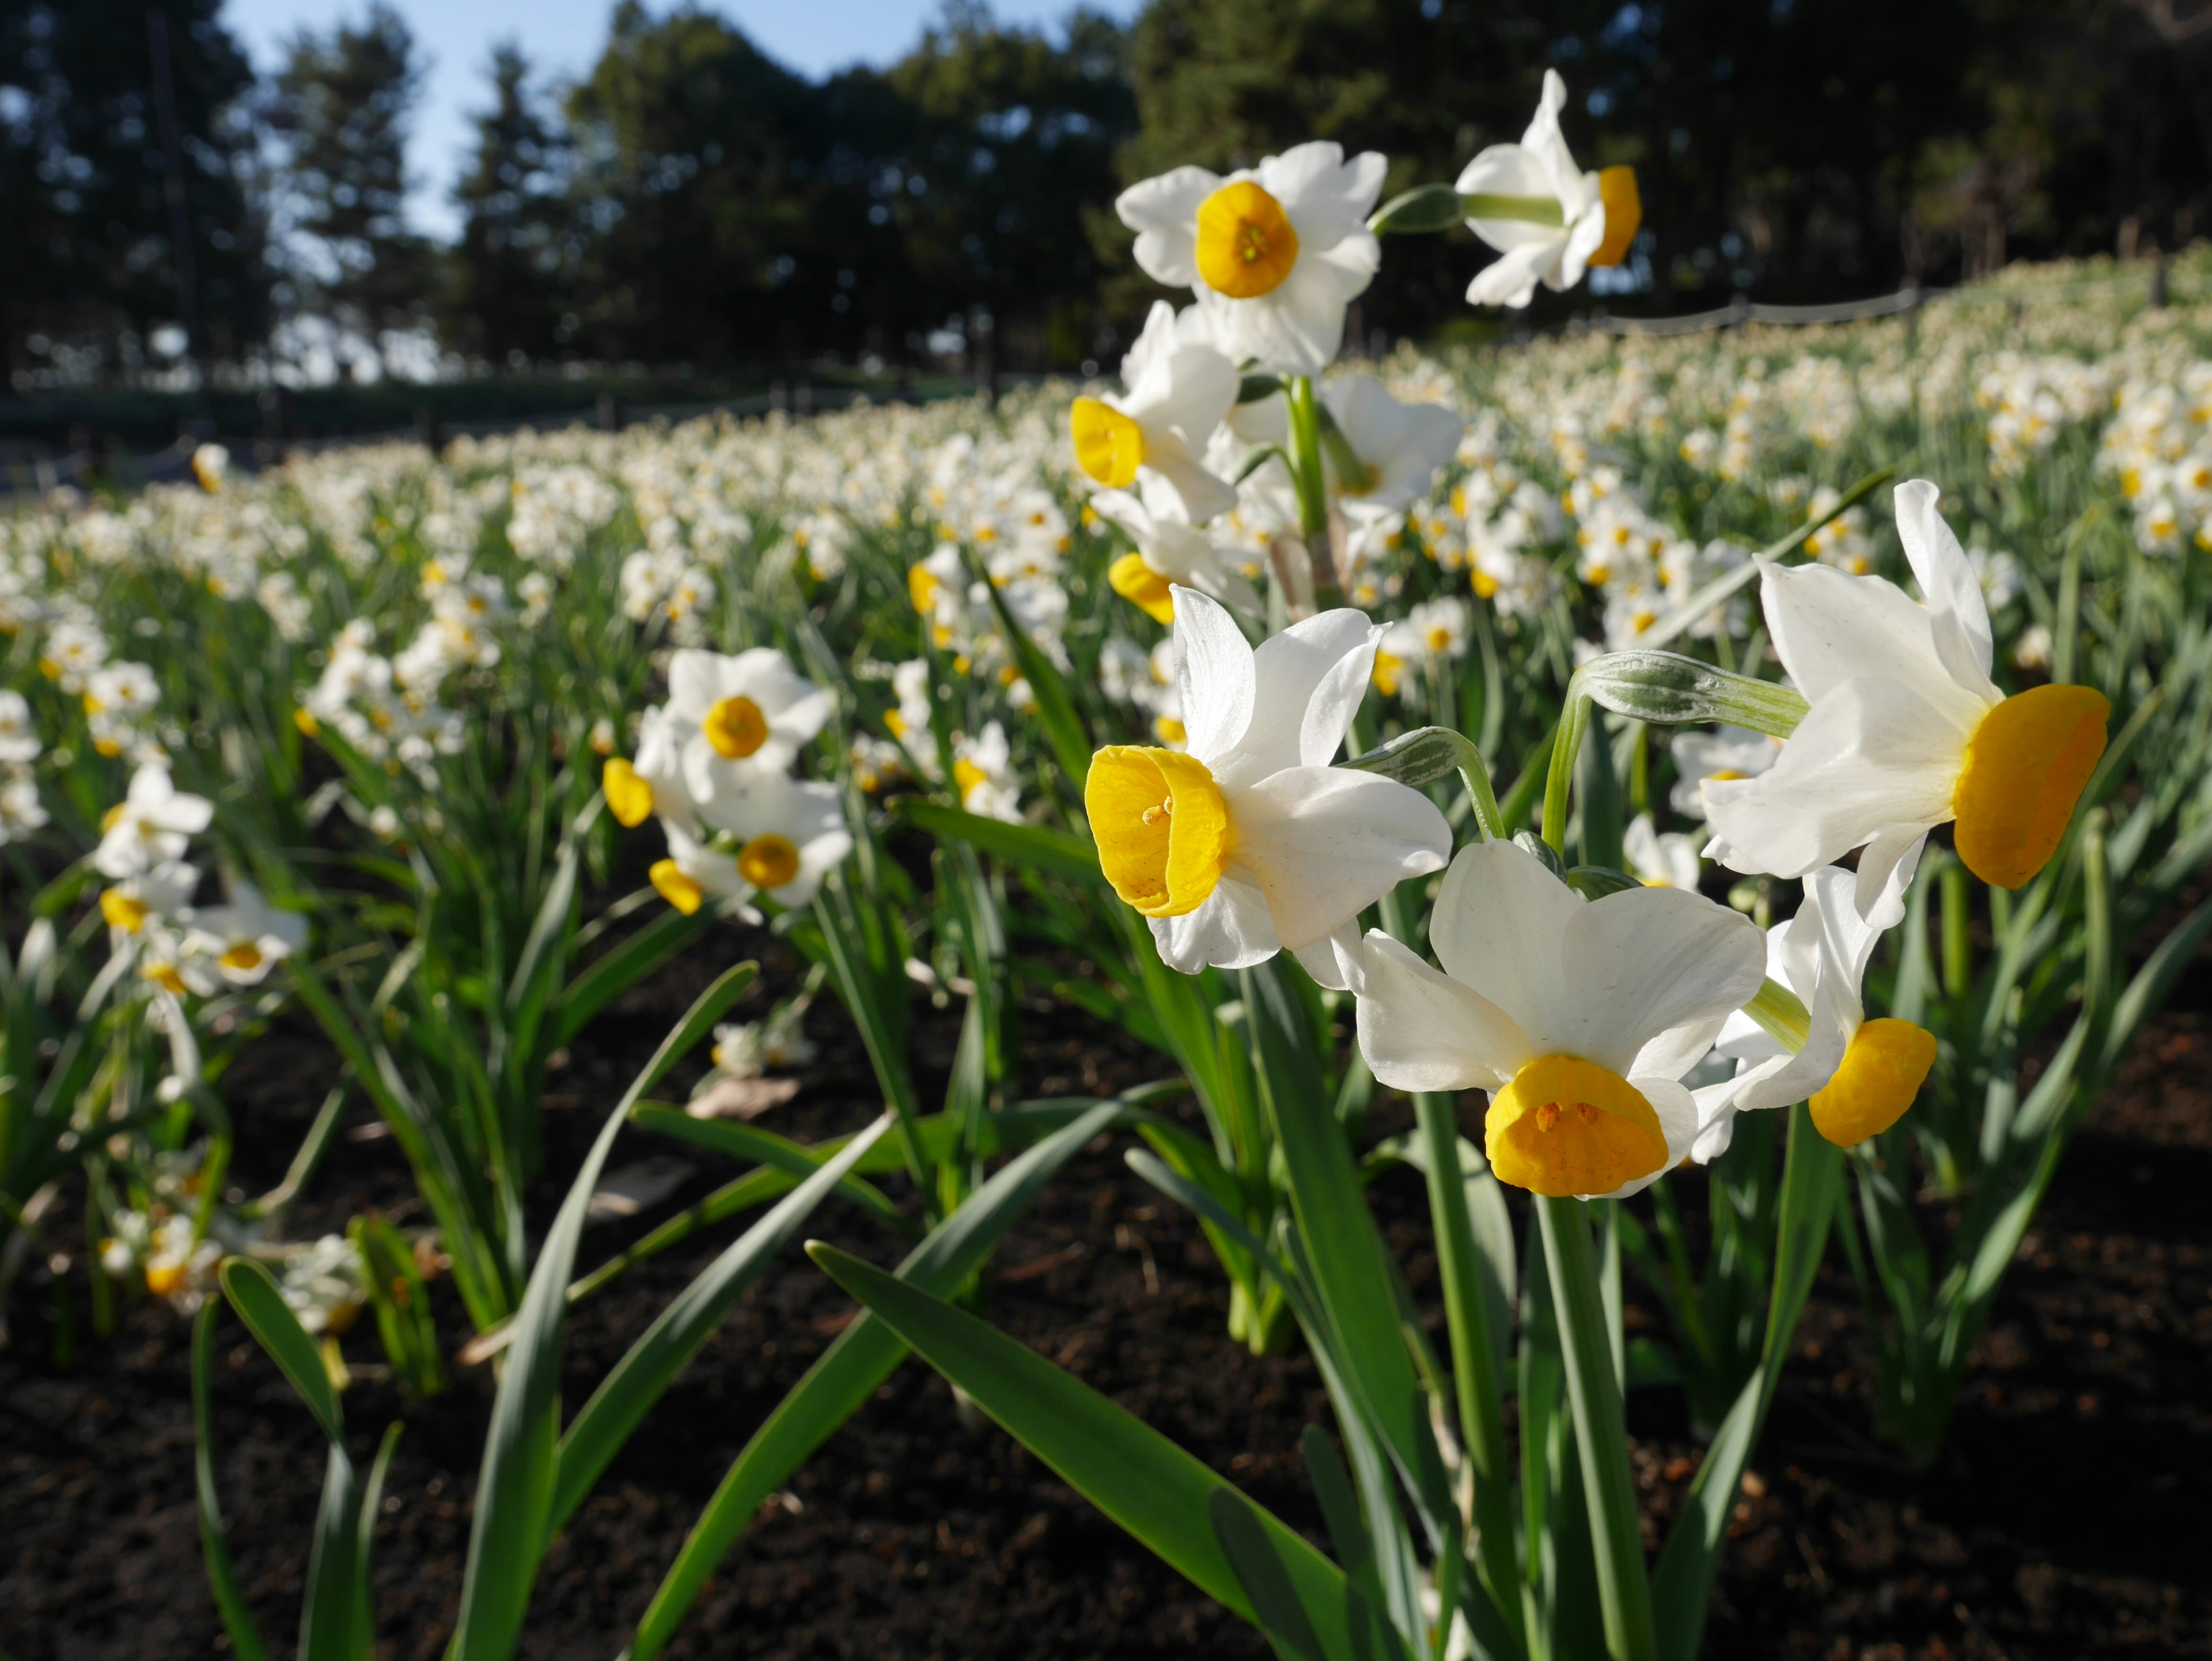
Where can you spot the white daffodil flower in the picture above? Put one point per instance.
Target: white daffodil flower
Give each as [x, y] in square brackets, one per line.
[1905, 730]
[1181, 386]
[753, 708]
[983, 773]
[246, 937]
[1580, 1017]
[695, 868]
[1657, 861]
[1597, 213]
[1249, 843]
[781, 835]
[1169, 553]
[1858, 1075]
[19, 741]
[1398, 447]
[152, 824]
[1275, 254]
[163, 892]
[1728, 752]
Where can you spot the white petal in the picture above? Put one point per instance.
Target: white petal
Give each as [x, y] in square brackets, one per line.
[1830, 628]
[1638, 963]
[1197, 495]
[1325, 198]
[1954, 593]
[1288, 670]
[1335, 701]
[1886, 868]
[695, 682]
[1337, 960]
[1231, 930]
[1163, 213]
[1508, 170]
[1422, 1030]
[1510, 280]
[1870, 755]
[1497, 927]
[1323, 843]
[1218, 676]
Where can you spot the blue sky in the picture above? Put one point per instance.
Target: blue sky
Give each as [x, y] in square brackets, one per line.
[562, 37]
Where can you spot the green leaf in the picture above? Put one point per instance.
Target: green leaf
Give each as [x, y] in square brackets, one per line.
[609, 975]
[1679, 621]
[1526, 209]
[1161, 1494]
[1255, 388]
[253, 1293]
[245, 1641]
[746, 1142]
[639, 1379]
[506, 1536]
[330, 1618]
[864, 1354]
[1035, 846]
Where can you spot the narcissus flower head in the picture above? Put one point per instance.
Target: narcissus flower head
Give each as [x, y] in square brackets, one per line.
[751, 710]
[247, 937]
[1859, 1075]
[1580, 1017]
[1547, 216]
[1179, 387]
[153, 823]
[1169, 552]
[1275, 254]
[1907, 730]
[1247, 842]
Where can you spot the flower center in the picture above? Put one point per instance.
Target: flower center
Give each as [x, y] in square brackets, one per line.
[966, 775]
[2026, 766]
[630, 797]
[121, 910]
[767, 861]
[1388, 667]
[1108, 445]
[735, 727]
[921, 584]
[1162, 827]
[245, 958]
[1882, 1071]
[677, 889]
[1565, 1126]
[1142, 587]
[1624, 214]
[1246, 246]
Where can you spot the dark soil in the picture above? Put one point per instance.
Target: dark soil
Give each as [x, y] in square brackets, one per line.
[2061, 1520]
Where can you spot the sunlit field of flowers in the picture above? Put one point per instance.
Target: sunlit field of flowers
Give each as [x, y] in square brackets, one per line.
[447, 752]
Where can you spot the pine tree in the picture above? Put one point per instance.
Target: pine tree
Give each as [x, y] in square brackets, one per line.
[343, 101]
[509, 278]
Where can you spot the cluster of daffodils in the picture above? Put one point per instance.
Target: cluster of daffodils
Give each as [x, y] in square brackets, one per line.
[1620, 1035]
[2159, 449]
[147, 901]
[713, 764]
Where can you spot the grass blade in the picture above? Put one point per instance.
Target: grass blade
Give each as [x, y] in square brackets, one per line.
[245, 1641]
[252, 1293]
[666, 1347]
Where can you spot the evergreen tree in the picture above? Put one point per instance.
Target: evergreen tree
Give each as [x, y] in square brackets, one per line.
[88, 261]
[343, 101]
[508, 276]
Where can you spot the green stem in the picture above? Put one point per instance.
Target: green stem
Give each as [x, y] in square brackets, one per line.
[1574, 723]
[1601, 1432]
[1312, 488]
[1482, 1425]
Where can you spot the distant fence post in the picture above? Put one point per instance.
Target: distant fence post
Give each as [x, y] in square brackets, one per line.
[609, 413]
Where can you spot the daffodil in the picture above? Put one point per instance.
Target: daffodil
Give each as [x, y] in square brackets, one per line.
[1275, 254]
[246, 937]
[1391, 452]
[1906, 731]
[152, 824]
[1548, 218]
[1580, 1017]
[164, 892]
[1657, 859]
[1169, 552]
[1180, 388]
[752, 709]
[1858, 1075]
[781, 835]
[1249, 843]
[1727, 752]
